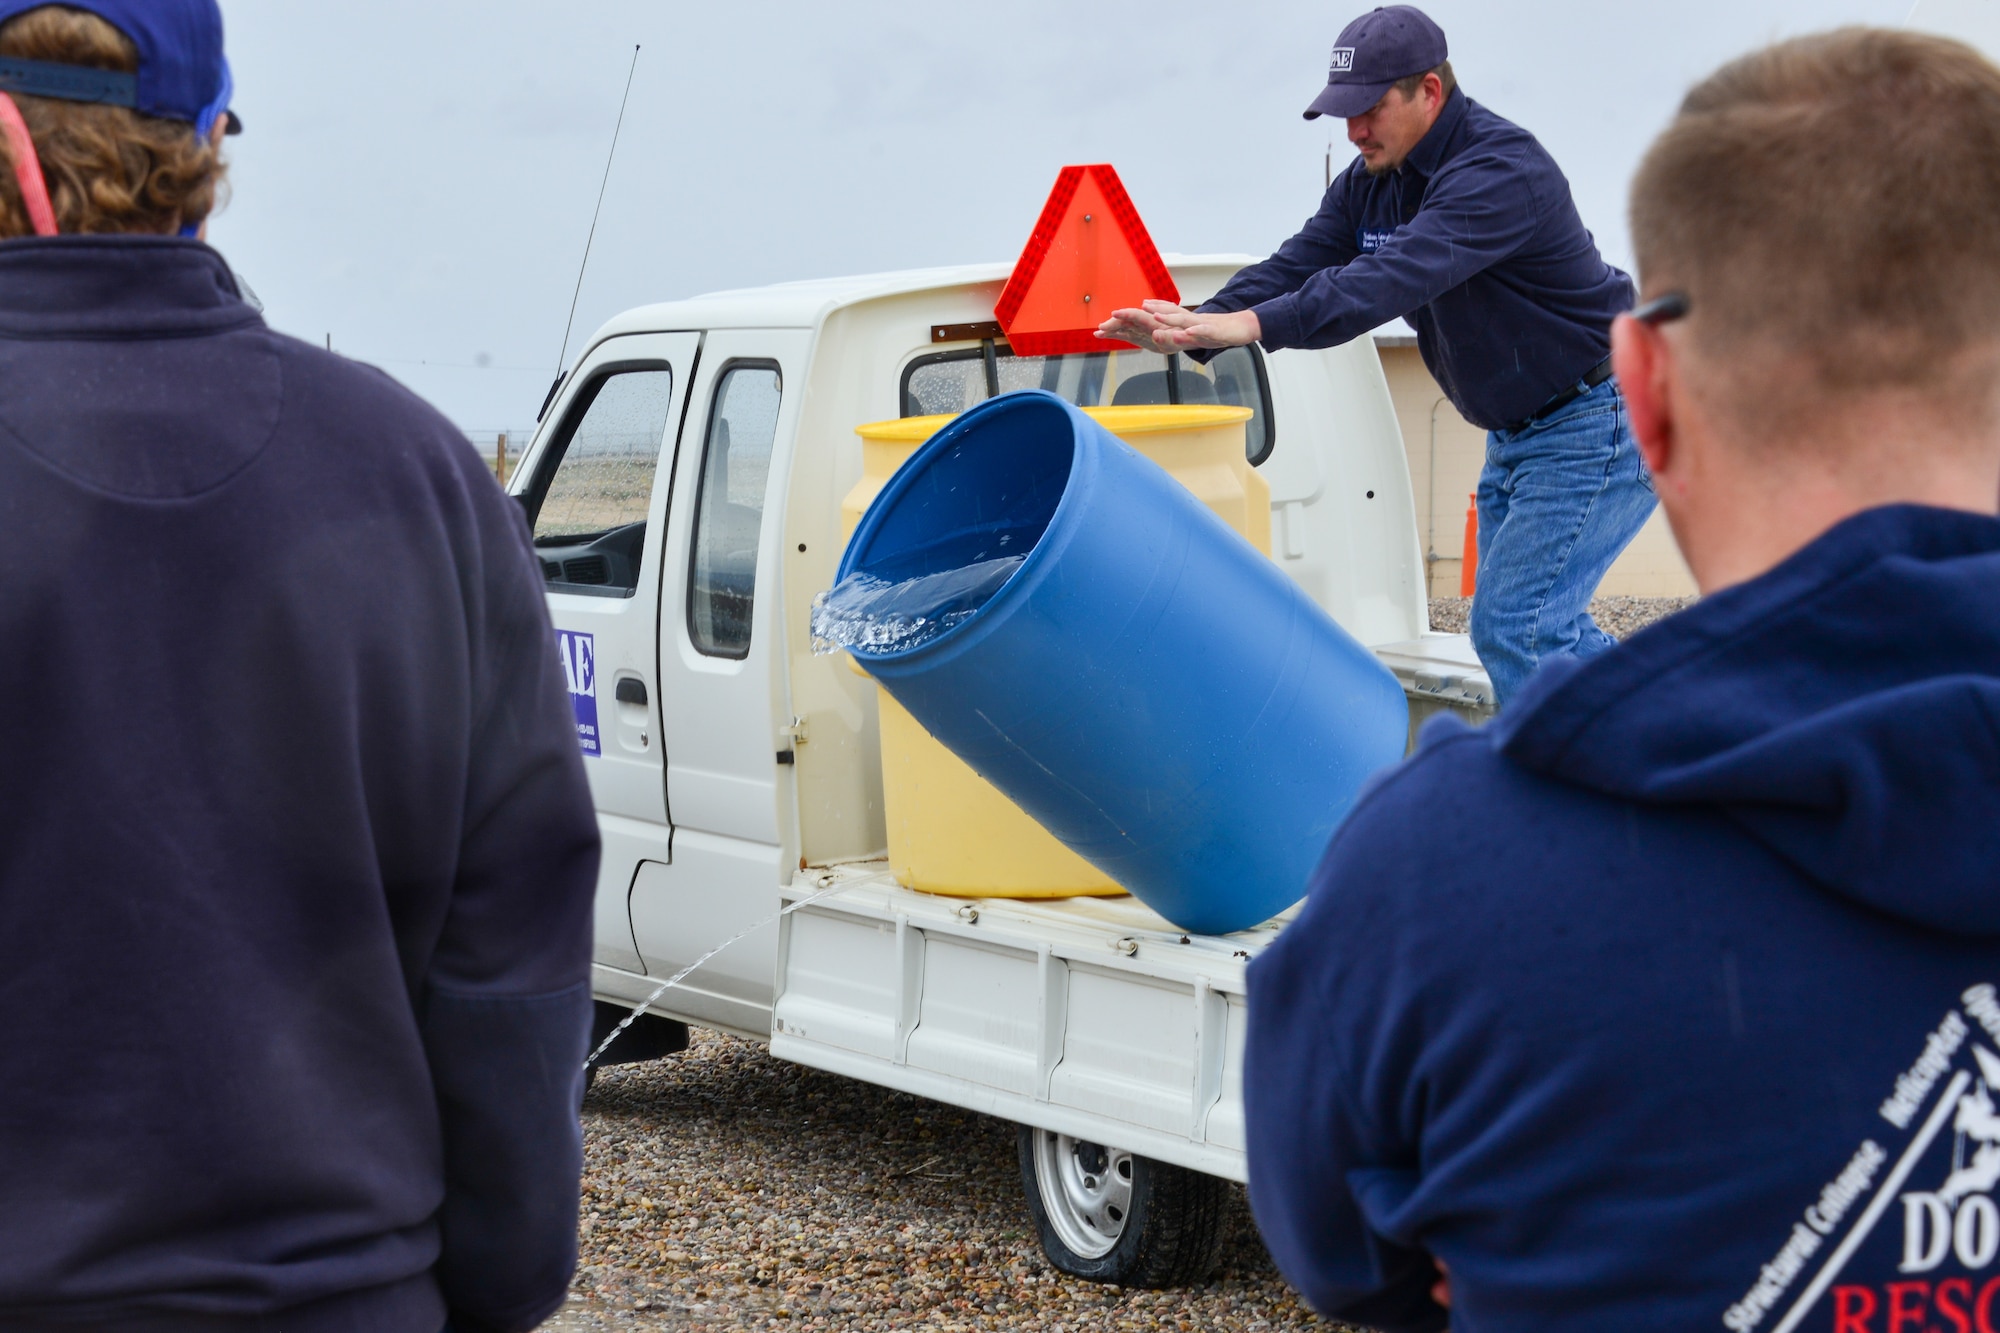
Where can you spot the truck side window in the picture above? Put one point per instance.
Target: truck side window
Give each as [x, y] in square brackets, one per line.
[590, 524]
[729, 513]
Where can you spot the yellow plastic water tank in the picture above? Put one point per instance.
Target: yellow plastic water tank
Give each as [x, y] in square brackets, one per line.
[951, 831]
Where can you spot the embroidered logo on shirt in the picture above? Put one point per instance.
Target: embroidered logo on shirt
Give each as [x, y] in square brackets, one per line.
[1947, 1143]
[1343, 60]
[1372, 241]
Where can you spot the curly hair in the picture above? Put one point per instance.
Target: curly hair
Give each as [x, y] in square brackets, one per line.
[108, 168]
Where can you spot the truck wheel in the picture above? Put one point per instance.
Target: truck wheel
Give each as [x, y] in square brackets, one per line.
[1113, 1216]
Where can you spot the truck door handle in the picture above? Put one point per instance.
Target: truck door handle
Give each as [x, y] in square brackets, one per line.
[631, 691]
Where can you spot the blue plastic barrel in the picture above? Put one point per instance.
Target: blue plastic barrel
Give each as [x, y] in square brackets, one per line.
[1151, 688]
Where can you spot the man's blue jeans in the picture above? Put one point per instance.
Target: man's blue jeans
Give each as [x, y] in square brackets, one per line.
[1558, 500]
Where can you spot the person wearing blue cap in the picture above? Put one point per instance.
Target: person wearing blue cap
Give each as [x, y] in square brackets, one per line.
[297, 855]
[1461, 222]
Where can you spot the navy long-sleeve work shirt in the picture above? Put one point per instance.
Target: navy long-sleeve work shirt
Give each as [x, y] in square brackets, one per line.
[1476, 240]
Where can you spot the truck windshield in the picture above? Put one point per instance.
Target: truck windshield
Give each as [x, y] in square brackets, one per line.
[950, 382]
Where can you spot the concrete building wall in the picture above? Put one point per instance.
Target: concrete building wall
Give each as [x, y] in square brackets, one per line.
[1650, 567]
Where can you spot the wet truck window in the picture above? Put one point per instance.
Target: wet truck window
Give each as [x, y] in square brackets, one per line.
[736, 464]
[954, 381]
[591, 524]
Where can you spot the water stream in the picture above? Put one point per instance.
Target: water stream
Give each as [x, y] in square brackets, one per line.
[884, 616]
[681, 975]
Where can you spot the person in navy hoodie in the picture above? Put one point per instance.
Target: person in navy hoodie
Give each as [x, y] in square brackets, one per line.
[1688, 1015]
[296, 850]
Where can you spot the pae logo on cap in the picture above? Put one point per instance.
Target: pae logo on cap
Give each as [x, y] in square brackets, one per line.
[1343, 60]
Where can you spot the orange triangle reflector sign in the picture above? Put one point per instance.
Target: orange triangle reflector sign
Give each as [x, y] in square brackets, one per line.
[1089, 255]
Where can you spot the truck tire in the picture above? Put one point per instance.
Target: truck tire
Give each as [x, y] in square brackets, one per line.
[1112, 1216]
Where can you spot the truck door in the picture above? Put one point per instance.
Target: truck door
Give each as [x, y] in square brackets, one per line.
[721, 674]
[596, 495]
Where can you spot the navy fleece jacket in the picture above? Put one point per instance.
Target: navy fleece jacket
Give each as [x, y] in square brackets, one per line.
[296, 852]
[1667, 1000]
[1476, 239]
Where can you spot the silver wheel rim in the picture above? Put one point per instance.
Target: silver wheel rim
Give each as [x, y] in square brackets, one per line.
[1086, 1191]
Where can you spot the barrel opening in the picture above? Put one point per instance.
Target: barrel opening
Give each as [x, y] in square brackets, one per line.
[985, 489]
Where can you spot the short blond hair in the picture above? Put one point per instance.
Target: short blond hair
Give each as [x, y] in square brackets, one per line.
[1834, 200]
[108, 168]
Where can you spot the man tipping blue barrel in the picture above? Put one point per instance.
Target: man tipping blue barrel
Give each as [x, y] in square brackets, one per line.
[1462, 222]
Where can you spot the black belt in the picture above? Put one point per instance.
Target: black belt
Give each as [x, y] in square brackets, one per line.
[1593, 377]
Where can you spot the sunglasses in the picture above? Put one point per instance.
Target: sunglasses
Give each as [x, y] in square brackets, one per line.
[1662, 309]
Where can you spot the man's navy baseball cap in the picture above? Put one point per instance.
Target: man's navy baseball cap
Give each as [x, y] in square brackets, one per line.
[182, 73]
[1374, 51]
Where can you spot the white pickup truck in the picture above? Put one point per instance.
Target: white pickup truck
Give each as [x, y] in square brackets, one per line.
[685, 493]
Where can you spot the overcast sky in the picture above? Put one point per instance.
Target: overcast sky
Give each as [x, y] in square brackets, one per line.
[417, 177]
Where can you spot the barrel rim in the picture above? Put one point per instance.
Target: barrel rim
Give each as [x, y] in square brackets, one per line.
[906, 476]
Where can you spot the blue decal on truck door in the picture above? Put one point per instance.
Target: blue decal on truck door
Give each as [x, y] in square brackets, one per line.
[579, 663]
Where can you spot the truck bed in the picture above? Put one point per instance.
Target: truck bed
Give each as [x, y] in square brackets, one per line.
[1092, 1017]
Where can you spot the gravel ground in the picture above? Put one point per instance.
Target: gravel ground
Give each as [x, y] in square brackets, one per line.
[1620, 617]
[724, 1189]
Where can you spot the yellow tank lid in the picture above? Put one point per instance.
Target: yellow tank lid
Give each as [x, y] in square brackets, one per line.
[1133, 420]
[1144, 420]
[904, 430]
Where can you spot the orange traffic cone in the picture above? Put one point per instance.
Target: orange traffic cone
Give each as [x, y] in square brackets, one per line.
[1468, 574]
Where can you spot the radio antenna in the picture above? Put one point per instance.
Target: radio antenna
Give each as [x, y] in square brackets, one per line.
[584, 267]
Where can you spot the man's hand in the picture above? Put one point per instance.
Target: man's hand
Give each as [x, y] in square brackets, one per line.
[1164, 327]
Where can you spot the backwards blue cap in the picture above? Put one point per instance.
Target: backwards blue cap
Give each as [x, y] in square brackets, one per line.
[182, 73]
